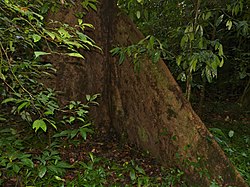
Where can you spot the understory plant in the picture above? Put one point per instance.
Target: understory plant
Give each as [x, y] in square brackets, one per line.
[200, 41]
[23, 37]
[30, 111]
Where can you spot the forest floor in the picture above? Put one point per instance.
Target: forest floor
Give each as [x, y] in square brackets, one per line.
[101, 161]
[227, 121]
[230, 124]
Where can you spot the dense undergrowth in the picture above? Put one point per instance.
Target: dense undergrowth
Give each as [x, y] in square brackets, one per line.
[229, 123]
[99, 160]
[45, 144]
[73, 161]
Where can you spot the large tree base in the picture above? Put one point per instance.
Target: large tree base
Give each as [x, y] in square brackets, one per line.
[147, 108]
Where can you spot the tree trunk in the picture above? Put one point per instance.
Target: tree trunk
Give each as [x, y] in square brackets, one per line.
[148, 108]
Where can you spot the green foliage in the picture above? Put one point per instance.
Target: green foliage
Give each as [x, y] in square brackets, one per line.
[149, 47]
[23, 37]
[99, 171]
[12, 160]
[27, 166]
[199, 36]
[50, 162]
[26, 103]
[236, 146]
[38, 168]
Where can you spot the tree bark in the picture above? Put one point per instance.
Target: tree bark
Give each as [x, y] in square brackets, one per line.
[148, 108]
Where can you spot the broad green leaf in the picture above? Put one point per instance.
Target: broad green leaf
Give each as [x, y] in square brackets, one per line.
[2, 76]
[91, 156]
[221, 62]
[51, 34]
[12, 49]
[80, 21]
[140, 170]
[122, 58]
[3, 162]
[52, 123]
[95, 96]
[84, 38]
[197, 28]
[235, 10]
[22, 156]
[83, 133]
[87, 125]
[132, 175]
[88, 130]
[219, 20]
[64, 165]
[217, 131]
[41, 171]
[28, 162]
[93, 6]
[189, 29]
[208, 74]
[182, 76]
[40, 53]
[221, 50]
[71, 106]
[38, 15]
[214, 63]
[78, 55]
[39, 123]
[208, 14]
[191, 36]
[49, 112]
[217, 45]
[184, 40]
[178, 60]
[193, 64]
[24, 104]
[64, 34]
[59, 178]
[115, 51]
[71, 119]
[16, 168]
[36, 37]
[138, 14]
[231, 133]
[201, 43]
[73, 133]
[151, 42]
[88, 25]
[54, 169]
[9, 100]
[218, 62]
[73, 43]
[244, 154]
[62, 134]
[10, 164]
[18, 95]
[2, 119]
[156, 57]
[201, 30]
[229, 24]
[88, 97]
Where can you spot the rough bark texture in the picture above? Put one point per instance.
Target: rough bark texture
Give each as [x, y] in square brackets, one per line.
[147, 108]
